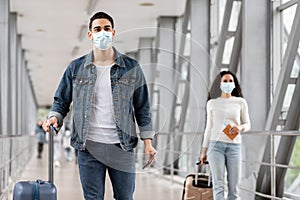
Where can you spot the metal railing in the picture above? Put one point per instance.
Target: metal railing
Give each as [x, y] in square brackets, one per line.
[187, 157]
[16, 151]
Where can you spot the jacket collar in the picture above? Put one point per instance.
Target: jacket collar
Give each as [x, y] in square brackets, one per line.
[118, 58]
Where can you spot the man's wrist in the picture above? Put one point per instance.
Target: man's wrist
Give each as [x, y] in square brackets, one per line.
[147, 141]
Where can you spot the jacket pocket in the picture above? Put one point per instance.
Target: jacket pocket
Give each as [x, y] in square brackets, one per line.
[126, 86]
[80, 85]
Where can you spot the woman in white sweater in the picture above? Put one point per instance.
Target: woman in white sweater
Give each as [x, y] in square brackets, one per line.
[222, 150]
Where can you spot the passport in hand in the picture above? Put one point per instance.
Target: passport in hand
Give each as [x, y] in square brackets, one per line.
[226, 130]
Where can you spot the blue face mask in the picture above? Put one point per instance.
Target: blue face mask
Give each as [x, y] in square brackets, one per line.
[227, 87]
[102, 40]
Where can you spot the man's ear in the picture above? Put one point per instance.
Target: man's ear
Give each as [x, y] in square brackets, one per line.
[90, 35]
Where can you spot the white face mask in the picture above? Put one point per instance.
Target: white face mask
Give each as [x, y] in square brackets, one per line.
[102, 40]
[227, 87]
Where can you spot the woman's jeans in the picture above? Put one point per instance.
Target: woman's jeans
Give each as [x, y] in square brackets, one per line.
[223, 155]
[101, 158]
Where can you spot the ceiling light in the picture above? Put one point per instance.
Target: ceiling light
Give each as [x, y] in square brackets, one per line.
[40, 30]
[146, 4]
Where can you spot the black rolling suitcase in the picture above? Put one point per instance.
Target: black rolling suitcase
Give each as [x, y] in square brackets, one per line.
[38, 190]
[198, 186]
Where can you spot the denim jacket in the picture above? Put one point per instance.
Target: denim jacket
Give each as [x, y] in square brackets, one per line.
[129, 93]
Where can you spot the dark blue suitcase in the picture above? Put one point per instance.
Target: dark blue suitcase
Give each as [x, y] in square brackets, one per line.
[34, 190]
[38, 190]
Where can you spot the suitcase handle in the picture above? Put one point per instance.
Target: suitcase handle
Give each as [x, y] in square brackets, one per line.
[197, 169]
[50, 153]
[205, 162]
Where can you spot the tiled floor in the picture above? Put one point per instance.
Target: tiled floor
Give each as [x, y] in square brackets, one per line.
[66, 179]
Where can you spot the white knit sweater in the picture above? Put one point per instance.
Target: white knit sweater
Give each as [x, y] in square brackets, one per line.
[223, 111]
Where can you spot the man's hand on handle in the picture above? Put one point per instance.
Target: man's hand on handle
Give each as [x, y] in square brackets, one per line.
[50, 121]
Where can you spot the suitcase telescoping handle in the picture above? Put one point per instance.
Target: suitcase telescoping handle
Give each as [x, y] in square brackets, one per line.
[197, 169]
[53, 131]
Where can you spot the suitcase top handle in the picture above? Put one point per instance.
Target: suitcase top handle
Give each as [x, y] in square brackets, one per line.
[39, 181]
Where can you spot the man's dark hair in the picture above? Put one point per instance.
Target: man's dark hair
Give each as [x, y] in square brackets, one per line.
[101, 15]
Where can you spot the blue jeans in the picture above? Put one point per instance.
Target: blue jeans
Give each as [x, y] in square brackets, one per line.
[101, 158]
[223, 155]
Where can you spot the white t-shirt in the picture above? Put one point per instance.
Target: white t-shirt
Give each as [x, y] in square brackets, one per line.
[223, 111]
[102, 126]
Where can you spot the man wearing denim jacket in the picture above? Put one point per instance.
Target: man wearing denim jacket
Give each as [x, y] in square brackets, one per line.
[109, 95]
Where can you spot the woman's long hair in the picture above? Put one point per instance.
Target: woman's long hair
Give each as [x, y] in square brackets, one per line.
[215, 90]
